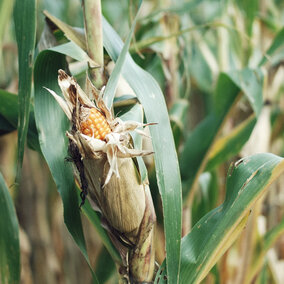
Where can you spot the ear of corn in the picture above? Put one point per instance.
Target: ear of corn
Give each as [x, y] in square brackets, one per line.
[95, 125]
[102, 156]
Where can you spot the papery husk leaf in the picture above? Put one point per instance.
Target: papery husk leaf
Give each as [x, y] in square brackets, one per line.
[123, 198]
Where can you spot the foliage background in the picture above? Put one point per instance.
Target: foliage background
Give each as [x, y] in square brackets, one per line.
[185, 46]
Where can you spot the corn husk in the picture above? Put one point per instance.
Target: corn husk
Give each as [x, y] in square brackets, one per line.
[109, 177]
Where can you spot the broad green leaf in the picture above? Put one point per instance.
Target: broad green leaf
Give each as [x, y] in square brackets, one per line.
[9, 113]
[105, 267]
[9, 107]
[25, 27]
[52, 125]
[247, 181]
[167, 170]
[200, 142]
[9, 238]
[95, 219]
[5, 126]
[231, 144]
[206, 198]
[251, 83]
[74, 51]
[275, 52]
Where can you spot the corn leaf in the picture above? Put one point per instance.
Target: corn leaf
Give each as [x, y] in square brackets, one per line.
[25, 27]
[247, 181]
[9, 118]
[275, 52]
[167, 170]
[200, 142]
[95, 219]
[9, 238]
[111, 86]
[231, 144]
[52, 125]
[74, 51]
[251, 83]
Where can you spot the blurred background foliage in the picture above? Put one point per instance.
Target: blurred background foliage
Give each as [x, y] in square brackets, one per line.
[187, 46]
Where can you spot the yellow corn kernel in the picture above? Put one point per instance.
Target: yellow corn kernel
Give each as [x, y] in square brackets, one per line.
[95, 125]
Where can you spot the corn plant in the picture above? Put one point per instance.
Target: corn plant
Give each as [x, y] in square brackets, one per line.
[159, 142]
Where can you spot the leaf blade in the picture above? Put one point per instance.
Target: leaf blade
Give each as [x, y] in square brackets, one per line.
[9, 238]
[246, 183]
[25, 28]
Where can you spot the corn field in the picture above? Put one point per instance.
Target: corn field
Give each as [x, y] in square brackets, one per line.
[141, 141]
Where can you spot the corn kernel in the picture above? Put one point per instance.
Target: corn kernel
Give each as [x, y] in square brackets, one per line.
[95, 125]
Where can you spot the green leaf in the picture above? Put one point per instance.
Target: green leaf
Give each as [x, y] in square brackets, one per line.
[275, 52]
[178, 116]
[9, 238]
[231, 144]
[95, 219]
[167, 169]
[5, 126]
[111, 86]
[201, 140]
[251, 83]
[74, 51]
[52, 125]
[9, 107]
[247, 181]
[207, 197]
[25, 27]
[105, 267]
[9, 114]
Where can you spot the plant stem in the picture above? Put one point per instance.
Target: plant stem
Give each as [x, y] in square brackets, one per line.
[94, 39]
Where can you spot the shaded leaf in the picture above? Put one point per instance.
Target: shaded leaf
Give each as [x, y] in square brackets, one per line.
[231, 144]
[9, 238]
[25, 27]
[9, 118]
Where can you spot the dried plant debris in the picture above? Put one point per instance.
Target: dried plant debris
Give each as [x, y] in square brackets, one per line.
[101, 149]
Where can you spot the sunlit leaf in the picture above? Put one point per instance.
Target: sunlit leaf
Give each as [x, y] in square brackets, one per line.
[247, 181]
